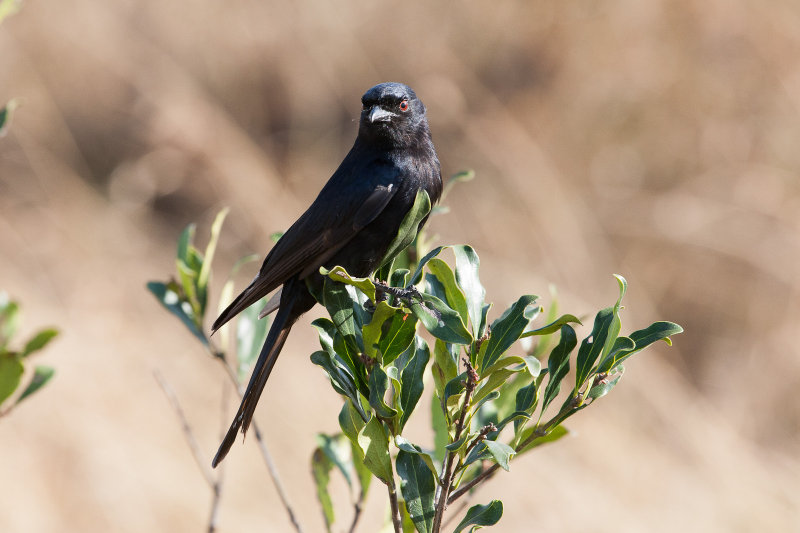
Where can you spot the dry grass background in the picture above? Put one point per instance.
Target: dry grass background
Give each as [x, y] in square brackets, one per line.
[660, 140]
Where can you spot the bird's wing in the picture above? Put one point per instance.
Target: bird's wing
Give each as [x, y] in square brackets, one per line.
[313, 239]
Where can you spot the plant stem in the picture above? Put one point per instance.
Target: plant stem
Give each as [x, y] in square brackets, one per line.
[262, 445]
[447, 480]
[486, 474]
[395, 507]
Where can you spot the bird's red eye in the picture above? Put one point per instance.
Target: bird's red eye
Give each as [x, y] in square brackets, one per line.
[403, 105]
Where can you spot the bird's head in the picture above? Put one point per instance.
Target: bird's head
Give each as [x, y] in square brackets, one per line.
[392, 112]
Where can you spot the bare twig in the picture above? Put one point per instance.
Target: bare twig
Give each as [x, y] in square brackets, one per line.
[356, 516]
[213, 516]
[187, 429]
[262, 445]
[395, 509]
[447, 480]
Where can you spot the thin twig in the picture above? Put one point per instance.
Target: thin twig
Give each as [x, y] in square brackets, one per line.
[447, 480]
[356, 516]
[395, 509]
[187, 429]
[217, 497]
[262, 445]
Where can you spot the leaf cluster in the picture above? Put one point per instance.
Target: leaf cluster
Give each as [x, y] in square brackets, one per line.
[13, 361]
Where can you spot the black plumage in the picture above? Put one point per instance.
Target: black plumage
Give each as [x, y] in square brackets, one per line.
[351, 223]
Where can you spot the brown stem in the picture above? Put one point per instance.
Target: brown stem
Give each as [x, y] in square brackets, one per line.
[356, 516]
[262, 445]
[395, 506]
[447, 480]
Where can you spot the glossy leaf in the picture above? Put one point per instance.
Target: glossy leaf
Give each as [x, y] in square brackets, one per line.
[507, 329]
[453, 294]
[602, 388]
[170, 300]
[361, 470]
[399, 337]
[467, 266]
[378, 385]
[552, 327]
[418, 487]
[339, 274]
[412, 380]
[500, 452]
[373, 331]
[592, 346]
[352, 422]
[403, 444]
[558, 364]
[409, 226]
[337, 449]
[645, 337]
[39, 341]
[441, 321]
[441, 434]
[41, 375]
[374, 442]
[417, 276]
[480, 516]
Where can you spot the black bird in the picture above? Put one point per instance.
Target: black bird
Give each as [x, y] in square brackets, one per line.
[351, 223]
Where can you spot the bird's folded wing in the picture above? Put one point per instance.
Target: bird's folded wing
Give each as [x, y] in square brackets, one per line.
[307, 244]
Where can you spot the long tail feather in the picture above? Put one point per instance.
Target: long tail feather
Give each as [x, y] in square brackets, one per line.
[266, 360]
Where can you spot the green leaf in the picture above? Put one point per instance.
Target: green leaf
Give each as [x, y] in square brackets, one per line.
[373, 331]
[403, 444]
[169, 298]
[374, 442]
[440, 430]
[507, 329]
[211, 248]
[418, 487]
[453, 294]
[321, 467]
[341, 380]
[501, 452]
[362, 472]
[250, 336]
[10, 373]
[352, 422]
[409, 226]
[41, 375]
[9, 319]
[604, 387]
[7, 111]
[447, 326]
[337, 450]
[378, 385]
[495, 380]
[621, 346]
[645, 337]
[558, 364]
[185, 243]
[341, 305]
[39, 341]
[481, 515]
[411, 380]
[552, 327]
[444, 367]
[592, 346]
[421, 265]
[467, 266]
[553, 435]
[398, 337]
[339, 274]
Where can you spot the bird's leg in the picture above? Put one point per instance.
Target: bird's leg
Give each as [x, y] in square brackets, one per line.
[408, 295]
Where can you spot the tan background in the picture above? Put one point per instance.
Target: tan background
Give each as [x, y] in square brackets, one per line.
[660, 140]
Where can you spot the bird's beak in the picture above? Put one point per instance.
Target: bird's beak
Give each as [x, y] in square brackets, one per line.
[379, 114]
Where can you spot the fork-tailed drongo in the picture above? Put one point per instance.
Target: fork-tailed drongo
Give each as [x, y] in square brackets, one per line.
[351, 223]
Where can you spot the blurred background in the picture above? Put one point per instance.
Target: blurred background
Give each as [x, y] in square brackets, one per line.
[659, 140]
